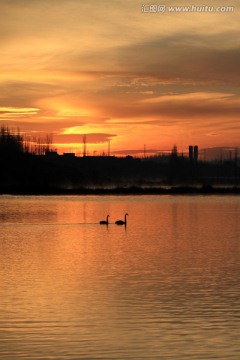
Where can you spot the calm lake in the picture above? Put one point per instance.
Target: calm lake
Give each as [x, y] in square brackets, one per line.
[166, 286]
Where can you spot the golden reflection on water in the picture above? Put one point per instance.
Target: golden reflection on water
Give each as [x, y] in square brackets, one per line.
[166, 286]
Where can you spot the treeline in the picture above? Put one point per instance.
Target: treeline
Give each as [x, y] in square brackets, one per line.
[20, 166]
[11, 140]
[24, 168]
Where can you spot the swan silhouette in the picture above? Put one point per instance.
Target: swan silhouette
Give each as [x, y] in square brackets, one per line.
[121, 222]
[104, 222]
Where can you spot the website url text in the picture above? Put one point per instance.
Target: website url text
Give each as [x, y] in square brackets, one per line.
[155, 8]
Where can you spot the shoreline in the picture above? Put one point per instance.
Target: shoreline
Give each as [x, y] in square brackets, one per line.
[134, 190]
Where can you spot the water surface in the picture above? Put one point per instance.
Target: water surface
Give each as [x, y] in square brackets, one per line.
[166, 286]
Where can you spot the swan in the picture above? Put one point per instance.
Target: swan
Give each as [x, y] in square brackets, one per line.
[104, 222]
[121, 222]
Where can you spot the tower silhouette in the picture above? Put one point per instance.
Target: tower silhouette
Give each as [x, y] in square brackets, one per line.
[84, 145]
[190, 152]
[195, 153]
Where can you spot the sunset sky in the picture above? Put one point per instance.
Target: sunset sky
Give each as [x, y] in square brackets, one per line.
[111, 71]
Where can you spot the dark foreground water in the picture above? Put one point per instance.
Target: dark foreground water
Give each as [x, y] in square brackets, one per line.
[165, 287]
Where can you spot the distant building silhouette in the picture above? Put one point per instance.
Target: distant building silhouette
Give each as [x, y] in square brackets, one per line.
[193, 152]
[69, 155]
[190, 152]
[51, 154]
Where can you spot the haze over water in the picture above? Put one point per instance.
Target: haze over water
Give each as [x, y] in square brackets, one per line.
[165, 287]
